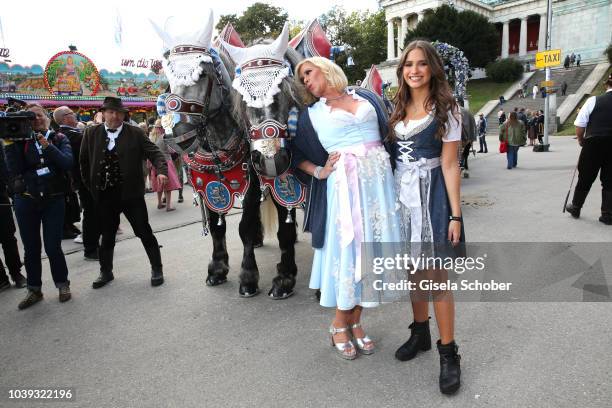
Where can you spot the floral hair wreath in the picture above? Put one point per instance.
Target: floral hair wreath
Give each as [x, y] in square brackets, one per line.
[458, 66]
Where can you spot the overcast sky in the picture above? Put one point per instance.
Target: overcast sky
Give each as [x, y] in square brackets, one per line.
[34, 31]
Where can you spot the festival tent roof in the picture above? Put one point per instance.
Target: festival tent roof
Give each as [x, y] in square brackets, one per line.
[77, 101]
[71, 78]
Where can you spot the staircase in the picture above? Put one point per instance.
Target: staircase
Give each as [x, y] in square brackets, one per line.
[574, 77]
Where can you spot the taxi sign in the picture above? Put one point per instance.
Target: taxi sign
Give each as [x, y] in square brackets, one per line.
[550, 58]
[547, 83]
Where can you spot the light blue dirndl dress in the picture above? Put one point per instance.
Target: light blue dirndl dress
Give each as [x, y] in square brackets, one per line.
[361, 202]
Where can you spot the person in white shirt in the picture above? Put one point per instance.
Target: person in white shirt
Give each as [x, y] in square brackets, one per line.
[594, 132]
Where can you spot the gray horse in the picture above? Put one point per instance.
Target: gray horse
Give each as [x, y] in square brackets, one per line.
[210, 123]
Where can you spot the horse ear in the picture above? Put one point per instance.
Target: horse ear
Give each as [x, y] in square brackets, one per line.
[293, 57]
[166, 38]
[279, 46]
[204, 37]
[237, 54]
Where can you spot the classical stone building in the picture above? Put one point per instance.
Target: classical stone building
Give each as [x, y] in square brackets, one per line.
[580, 26]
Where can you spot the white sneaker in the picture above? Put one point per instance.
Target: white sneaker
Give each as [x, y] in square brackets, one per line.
[79, 239]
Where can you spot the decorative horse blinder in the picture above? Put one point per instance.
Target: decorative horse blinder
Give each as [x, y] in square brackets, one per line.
[258, 80]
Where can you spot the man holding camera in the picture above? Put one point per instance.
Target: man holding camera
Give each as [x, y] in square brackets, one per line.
[67, 121]
[111, 165]
[37, 167]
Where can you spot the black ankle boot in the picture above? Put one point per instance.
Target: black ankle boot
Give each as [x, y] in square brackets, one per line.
[577, 203]
[420, 340]
[157, 274]
[606, 207]
[106, 267]
[450, 370]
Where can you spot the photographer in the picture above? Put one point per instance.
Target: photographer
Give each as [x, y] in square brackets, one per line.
[37, 167]
[7, 233]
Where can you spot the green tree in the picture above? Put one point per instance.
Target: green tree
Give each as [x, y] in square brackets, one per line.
[259, 20]
[363, 33]
[505, 70]
[227, 18]
[467, 30]
[295, 26]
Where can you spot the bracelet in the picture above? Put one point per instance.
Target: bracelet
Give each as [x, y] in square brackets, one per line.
[316, 172]
[453, 218]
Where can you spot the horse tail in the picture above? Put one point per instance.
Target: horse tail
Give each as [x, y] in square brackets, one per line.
[269, 216]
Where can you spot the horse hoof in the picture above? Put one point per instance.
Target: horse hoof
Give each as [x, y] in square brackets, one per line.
[215, 280]
[248, 291]
[279, 293]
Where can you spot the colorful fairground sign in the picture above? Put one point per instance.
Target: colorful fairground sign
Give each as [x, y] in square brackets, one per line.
[71, 73]
[70, 78]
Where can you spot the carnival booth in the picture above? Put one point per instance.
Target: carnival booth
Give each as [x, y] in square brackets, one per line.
[70, 78]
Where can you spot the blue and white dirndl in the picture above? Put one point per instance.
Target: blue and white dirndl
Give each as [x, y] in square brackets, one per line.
[361, 202]
[424, 205]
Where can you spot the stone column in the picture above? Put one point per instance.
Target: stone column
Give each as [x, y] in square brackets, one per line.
[523, 37]
[542, 33]
[505, 39]
[390, 41]
[399, 38]
[403, 31]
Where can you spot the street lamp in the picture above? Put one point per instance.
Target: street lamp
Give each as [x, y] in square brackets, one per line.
[545, 147]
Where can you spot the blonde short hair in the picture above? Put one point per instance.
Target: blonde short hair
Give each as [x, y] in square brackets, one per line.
[333, 74]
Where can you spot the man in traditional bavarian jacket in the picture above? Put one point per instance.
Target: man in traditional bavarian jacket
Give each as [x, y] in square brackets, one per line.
[594, 131]
[111, 165]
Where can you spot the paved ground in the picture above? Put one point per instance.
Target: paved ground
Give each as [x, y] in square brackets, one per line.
[186, 345]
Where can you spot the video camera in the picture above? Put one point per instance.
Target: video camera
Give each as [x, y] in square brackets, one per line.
[15, 122]
[17, 126]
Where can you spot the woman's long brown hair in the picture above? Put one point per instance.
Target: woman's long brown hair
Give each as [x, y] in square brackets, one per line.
[440, 99]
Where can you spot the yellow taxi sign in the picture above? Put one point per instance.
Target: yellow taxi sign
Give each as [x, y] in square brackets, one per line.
[547, 83]
[550, 58]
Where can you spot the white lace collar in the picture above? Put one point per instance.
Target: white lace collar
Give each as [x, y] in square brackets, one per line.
[322, 104]
[413, 126]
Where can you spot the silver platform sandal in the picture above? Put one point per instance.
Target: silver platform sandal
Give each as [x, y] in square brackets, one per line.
[345, 350]
[364, 344]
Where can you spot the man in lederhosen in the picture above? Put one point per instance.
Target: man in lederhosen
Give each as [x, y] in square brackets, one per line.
[111, 166]
[594, 131]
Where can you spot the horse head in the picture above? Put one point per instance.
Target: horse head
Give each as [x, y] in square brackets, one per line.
[199, 89]
[266, 100]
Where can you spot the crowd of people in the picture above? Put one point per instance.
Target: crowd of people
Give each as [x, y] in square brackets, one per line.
[571, 59]
[397, 177]
[70, 172]
[515, 129]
